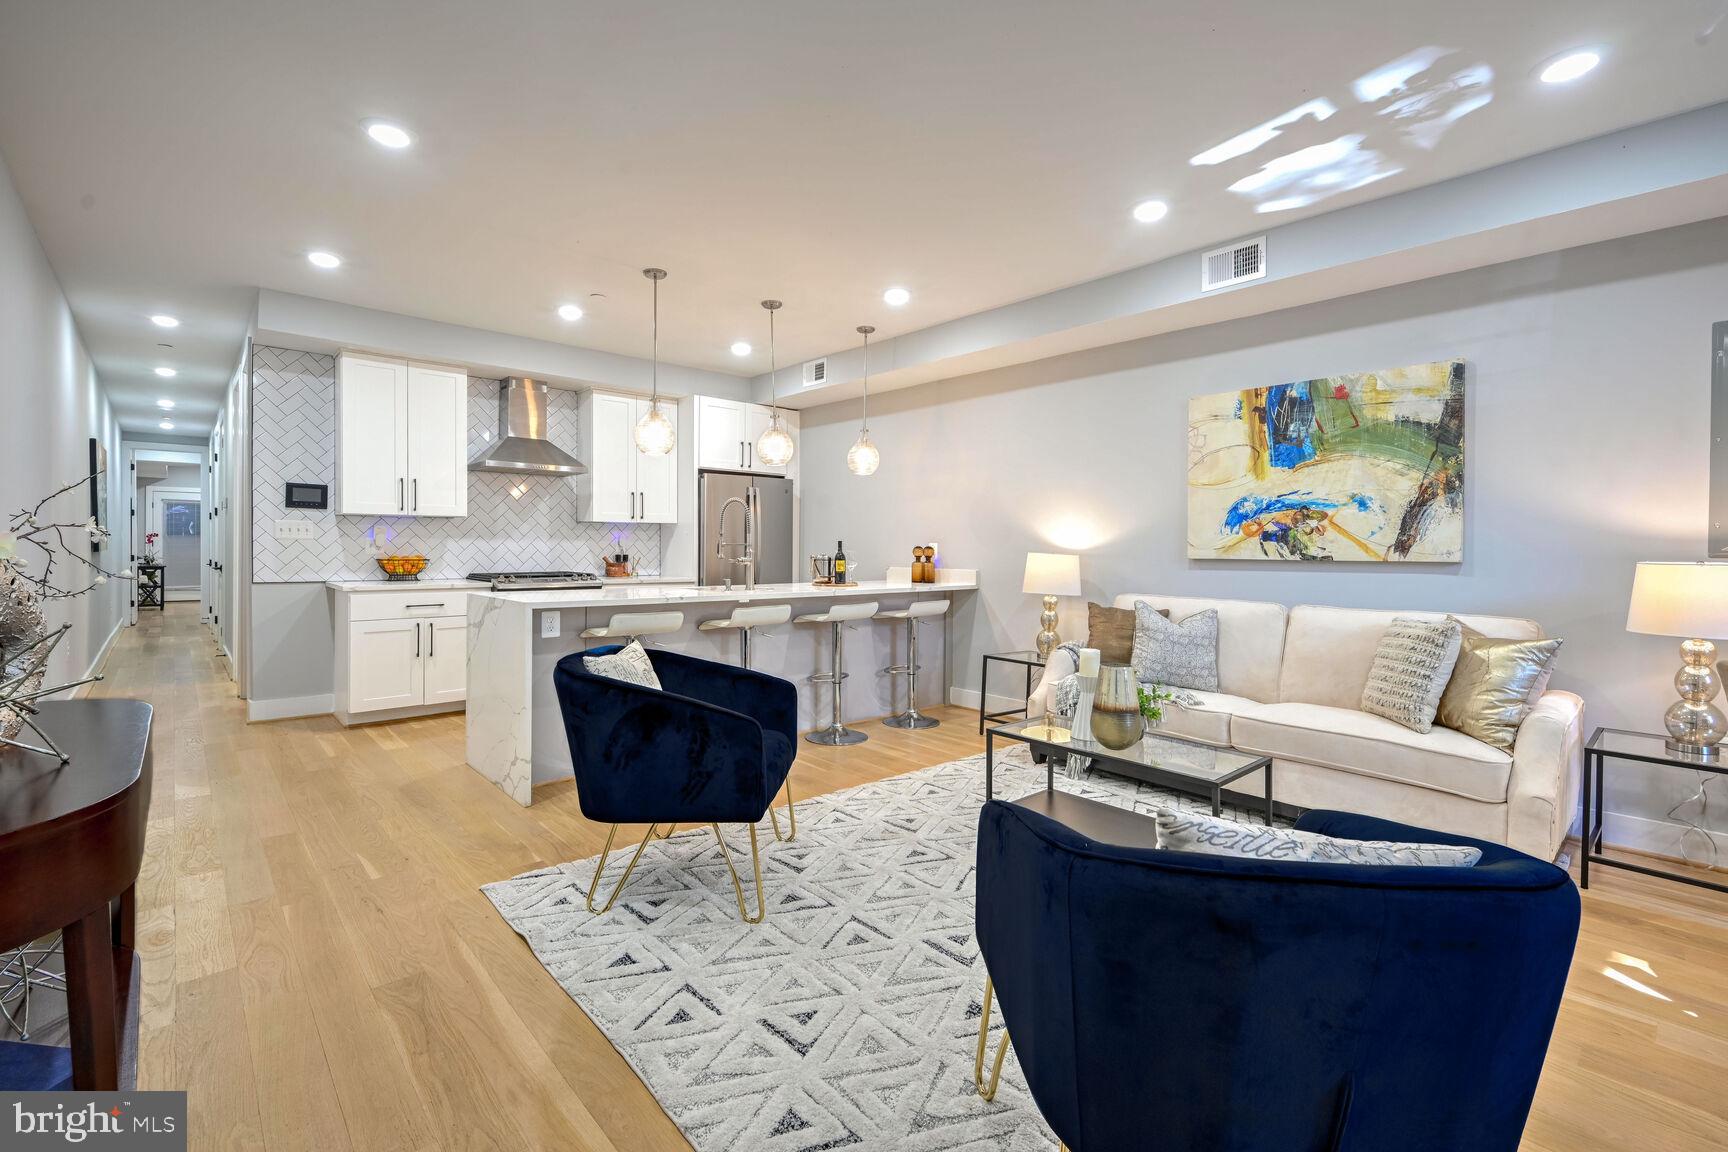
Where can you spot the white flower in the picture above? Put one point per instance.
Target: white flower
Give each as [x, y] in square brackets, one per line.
[29, 520]
[100, 580]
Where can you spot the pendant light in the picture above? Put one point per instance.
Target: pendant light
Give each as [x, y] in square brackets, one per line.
[774, 447]
[863, 458]
[655, 435]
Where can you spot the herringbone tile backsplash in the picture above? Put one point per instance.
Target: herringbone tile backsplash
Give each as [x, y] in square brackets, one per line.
[522, 524]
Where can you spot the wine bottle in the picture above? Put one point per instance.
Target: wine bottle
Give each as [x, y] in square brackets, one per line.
[840, 563]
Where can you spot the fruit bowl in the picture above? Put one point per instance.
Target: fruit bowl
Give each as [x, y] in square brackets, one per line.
[402, 567]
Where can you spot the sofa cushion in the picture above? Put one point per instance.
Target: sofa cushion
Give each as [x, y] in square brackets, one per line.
[1352, 741]
[1207, 719]
[1328, 651]
[1111, 631]
[1250, 639]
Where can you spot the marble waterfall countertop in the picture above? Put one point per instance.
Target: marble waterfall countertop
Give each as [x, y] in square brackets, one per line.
[472, 585]
[648, 595]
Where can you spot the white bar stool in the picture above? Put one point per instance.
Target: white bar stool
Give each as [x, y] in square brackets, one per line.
[627, 626]
[912, 613]
[744, 618]
[836, 617]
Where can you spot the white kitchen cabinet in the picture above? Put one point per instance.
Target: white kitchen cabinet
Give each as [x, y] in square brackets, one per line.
[401, 651]
[401, 438]
[622, 484]
[727, 431]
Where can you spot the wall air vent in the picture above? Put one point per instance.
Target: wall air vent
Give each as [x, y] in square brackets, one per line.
[815, 372]
[1233, 264]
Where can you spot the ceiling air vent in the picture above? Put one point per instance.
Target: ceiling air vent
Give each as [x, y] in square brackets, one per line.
[816, 372]
[1233, 264]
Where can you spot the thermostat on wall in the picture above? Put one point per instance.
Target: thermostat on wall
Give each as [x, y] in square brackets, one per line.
[306, 496]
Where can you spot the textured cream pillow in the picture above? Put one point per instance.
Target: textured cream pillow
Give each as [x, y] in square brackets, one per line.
[629, 664]
[1410, 670]
[1197, 832]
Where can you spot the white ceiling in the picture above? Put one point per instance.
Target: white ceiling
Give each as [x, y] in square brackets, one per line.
[176, 155]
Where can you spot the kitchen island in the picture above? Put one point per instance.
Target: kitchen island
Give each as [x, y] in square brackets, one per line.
[515, 639]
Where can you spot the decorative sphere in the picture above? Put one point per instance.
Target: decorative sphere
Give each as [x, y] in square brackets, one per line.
[655, 435]
[774, 448]
[1696, 683]
[863, 458]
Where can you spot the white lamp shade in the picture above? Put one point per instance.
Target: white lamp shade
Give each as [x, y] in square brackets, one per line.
[1052, 574]
[1679, 599]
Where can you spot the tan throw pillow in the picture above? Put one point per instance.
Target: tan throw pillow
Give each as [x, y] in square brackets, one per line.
[1411, 669]
[1111, 631]
[1495, 685]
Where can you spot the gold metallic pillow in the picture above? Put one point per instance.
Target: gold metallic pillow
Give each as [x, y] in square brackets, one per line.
[1494, 686]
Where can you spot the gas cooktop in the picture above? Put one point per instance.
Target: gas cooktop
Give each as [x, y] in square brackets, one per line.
[527, 581]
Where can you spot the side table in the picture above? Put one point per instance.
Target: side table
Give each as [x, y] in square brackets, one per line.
[1029, 659]
[1643, 748]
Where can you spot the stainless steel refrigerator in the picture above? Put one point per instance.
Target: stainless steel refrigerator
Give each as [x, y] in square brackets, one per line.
[772, 529]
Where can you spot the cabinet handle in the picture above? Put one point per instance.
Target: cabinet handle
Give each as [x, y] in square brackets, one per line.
[416, 493]
[416, 639]
[401, 500]
[740, 453]
[440, 604]
[431, 640]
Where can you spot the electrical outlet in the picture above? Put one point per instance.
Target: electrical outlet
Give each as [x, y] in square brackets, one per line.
[295, 529]
[551, 625]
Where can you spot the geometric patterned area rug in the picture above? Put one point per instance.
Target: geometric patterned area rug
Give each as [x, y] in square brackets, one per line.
[849, 1017]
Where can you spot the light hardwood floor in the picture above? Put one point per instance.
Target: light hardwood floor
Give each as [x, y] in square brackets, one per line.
[322, 972]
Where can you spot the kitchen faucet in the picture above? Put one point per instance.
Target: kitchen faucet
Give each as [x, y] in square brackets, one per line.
[747, 558]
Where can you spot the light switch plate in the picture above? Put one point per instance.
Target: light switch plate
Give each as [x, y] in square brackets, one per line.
[551, 625]
[295, 529]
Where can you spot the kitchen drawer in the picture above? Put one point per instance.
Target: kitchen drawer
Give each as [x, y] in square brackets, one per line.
[408, 604]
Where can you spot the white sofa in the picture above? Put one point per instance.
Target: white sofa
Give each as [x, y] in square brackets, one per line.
[1290, 686]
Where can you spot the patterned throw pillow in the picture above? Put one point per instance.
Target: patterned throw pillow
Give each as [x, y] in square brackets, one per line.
[1197, 832]
[1410, 670]
[629, 664]
[1177, 655]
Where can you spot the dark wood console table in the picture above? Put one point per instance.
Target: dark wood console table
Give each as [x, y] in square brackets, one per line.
[71, 842]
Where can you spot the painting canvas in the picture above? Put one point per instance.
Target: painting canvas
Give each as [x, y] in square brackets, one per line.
[1366, 466]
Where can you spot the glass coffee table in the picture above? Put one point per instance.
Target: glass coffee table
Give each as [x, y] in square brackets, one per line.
[1170, 761]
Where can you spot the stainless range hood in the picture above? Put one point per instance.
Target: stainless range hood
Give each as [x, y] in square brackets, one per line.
[521, 445]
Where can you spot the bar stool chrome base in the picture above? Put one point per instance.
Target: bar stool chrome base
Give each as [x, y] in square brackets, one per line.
[912, 718]
[838, 736]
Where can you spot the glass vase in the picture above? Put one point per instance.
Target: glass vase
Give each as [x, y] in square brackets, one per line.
[1116, 707]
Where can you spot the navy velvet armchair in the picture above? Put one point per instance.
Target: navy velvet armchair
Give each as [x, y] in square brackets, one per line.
[1173, 1000]
[712, 746]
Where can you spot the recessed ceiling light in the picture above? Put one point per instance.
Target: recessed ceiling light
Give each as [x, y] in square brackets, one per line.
[388, 134]
[1570, 66]
[162, 321]
[166, 425]
[165, 372]
[895, 297]
[1150, 211]
[569, 312]
[164, 403]
[324, 259]
[740, 348]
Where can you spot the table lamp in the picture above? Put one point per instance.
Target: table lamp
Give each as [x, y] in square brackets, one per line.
[1687, 600]
[1050, 574]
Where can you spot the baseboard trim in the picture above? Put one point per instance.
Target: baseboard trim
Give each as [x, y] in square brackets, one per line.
[289, 707]
[100, 664]
[1667, 839]
[968, 698]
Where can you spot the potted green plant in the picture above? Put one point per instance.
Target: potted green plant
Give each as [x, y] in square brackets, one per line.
[1152, 701]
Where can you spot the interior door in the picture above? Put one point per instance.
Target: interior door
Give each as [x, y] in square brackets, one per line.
[437, 441]
[720, 437]
[612, 471]
[386, 664]
[175, 517]
[371, 433]
[656, 476]
[446, 659]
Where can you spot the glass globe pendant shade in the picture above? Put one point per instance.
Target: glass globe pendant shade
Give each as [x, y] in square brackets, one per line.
[862, 457]
[655, 435]
[774, 447]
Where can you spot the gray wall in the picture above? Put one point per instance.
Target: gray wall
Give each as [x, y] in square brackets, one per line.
[50, 406]
[1587, 424]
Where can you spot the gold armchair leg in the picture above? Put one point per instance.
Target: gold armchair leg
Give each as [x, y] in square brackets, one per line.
[988, 1092]
[791, 815]
[594, 884]
[737, 887]
[670, 828]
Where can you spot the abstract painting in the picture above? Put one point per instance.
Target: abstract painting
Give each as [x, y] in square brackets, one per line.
[1367, 466]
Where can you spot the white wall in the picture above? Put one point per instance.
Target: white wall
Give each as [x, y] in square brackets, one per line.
[1587, 425]
[50, 406]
